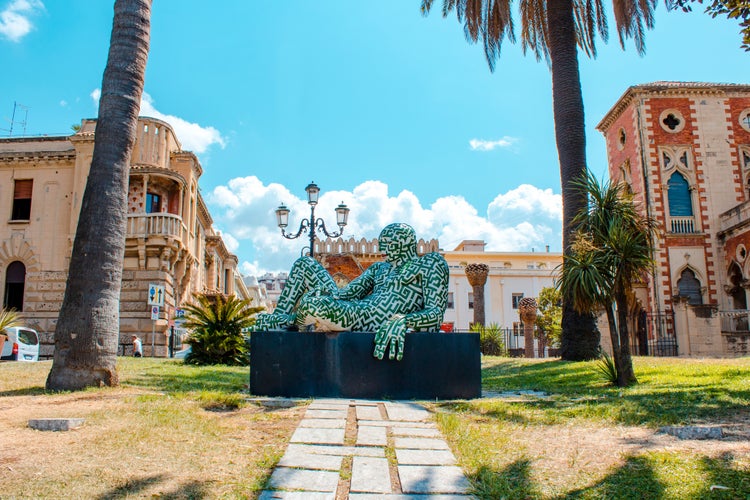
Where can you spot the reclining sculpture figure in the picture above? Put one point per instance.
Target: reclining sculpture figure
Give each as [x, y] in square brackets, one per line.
[407, 292]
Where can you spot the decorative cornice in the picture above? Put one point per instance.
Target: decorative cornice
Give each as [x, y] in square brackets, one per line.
[668, 89]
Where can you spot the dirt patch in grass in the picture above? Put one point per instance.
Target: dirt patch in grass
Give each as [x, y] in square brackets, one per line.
[138, 443]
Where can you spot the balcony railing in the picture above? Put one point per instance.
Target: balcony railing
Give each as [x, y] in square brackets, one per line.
[735, 321]
[159, 224]
[683, 225]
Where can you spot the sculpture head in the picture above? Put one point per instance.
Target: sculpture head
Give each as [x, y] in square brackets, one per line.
[399, 242]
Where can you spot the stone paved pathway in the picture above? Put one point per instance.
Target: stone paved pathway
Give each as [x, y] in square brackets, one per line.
[362, 450]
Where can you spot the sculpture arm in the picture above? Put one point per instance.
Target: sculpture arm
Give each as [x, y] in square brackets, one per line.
[361, 286]
[433, 272]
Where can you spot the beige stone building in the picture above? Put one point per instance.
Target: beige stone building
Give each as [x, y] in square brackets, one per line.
[170, 239]
[684, 151]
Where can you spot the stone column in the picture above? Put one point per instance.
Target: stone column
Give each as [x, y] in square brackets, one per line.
[527, 310]
[477, 276]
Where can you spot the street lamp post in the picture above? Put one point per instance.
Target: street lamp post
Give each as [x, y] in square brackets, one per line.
[312, 225]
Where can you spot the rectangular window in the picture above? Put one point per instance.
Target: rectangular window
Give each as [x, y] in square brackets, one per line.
[471, 300]
[516, 299]
[450, 301]
[153, 203]
[22, 200]
[517, 328]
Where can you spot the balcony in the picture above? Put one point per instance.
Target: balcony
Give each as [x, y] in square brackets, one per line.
[735, 321]
[165, 225]
[682, 225]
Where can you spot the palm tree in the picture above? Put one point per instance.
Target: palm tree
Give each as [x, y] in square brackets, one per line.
[88, 325]
[554, 30]
[217, 325]
[611, 252]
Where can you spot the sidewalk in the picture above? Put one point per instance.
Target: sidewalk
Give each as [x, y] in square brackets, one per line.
[365, 450]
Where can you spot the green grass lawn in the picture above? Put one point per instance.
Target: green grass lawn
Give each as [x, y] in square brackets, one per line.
[584, 439]
[196, 437]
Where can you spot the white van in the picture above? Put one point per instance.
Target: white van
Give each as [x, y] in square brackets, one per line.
[22, 344]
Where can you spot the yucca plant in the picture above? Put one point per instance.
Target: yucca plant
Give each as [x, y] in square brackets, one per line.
[217, 325]
[491, 340]
[605, 366]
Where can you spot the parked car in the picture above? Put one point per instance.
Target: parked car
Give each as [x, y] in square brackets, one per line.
[22, 344]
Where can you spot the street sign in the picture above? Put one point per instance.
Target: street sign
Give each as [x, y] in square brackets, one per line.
[154, 312]
[179, 317]
[155, 295]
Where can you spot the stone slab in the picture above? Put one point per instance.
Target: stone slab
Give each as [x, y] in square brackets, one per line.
[421, 443]
[56, 424]
[396, 423]
[313, 413]
[694, 432]
[425, 457]
[296, 495]
[432, 479]
[323, 423]
[410, 412]
[415, 432]
[284, 478]
[371, 436]
[318, 436]
[368, 413]
[370, 475]
[275, 402]
[315, 405]
[396, 496]
[332, 365]
[303, 460]
[360, 451]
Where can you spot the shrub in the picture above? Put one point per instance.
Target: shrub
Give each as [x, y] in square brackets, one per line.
[491, 339]
[605, 366]
[217, 325]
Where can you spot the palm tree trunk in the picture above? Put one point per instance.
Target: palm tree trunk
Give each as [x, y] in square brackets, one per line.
[580, 338]
[625, 373]
[88, 326]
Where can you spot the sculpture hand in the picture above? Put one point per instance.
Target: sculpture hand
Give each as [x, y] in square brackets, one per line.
[393, 333]
[274, 321]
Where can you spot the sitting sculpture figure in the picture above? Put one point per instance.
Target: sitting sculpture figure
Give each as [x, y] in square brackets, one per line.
[407, 292]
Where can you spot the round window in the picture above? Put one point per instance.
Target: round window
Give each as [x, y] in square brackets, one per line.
[671, 120]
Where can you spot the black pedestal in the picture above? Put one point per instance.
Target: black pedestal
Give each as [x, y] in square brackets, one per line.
[296, 364]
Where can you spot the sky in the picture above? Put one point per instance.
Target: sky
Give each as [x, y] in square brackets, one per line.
[391, 112]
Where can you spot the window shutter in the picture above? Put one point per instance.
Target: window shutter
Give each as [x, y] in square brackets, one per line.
[680, 204]
[23, 189]
[689, 286]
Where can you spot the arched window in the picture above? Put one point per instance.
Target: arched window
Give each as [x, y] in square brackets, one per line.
[739, 301]
[689, 286]
[678, 192]
[15, 281]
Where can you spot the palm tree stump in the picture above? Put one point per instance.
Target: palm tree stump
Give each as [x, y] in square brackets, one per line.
[527, 310]
[477, 276]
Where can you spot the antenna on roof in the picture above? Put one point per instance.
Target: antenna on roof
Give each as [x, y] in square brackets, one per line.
[13, 122]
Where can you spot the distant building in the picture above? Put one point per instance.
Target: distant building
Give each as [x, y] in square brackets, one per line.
[683, 149]
[170, 240]
[272, 284]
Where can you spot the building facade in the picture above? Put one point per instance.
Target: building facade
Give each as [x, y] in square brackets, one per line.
[683, 149]
[170, 240]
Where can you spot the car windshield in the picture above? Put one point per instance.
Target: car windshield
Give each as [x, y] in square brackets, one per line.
[28, 337]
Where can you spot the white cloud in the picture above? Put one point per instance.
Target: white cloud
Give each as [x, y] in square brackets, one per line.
[521, 219]
[192, 136]
[14, 19]
[482, 145]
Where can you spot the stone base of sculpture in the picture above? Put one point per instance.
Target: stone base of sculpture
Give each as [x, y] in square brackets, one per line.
[296, 364]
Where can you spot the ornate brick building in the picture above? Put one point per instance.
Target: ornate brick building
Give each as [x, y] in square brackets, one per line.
[170, 240]
[684, 151]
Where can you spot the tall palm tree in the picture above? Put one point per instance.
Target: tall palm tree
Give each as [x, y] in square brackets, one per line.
[554, 30]
[611, 252]
[89, 322]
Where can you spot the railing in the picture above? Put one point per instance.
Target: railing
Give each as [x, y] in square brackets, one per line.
[735, 321]
[683, 225]
[659, 337]
[160, 224]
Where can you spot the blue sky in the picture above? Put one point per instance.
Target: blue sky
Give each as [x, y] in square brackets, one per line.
[391, 112]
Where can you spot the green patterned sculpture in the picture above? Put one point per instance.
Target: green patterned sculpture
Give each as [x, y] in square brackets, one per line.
[407, 292]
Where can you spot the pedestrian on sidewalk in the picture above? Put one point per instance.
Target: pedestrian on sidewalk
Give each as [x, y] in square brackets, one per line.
[137, 347]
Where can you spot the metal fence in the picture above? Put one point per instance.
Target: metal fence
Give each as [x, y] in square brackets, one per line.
[655, 335]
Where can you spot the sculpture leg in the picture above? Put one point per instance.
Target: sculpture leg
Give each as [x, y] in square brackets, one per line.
[306, 274]
[326, 313]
